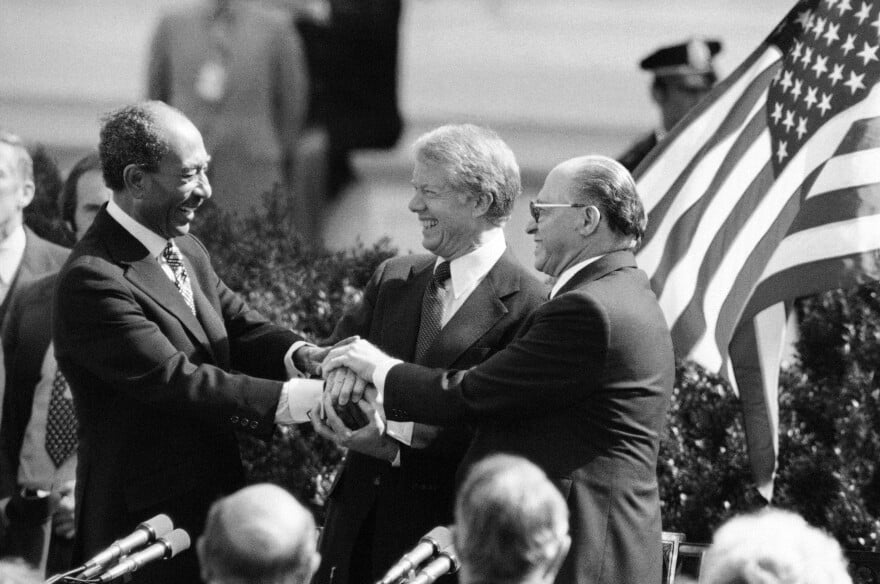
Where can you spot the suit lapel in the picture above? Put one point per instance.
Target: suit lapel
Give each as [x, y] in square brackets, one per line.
[405, 298]
[479, 313]
[144, 272]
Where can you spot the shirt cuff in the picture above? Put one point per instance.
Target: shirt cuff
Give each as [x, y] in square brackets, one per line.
[298, 397]
[380, 372]
[400, 431]
[292, 371]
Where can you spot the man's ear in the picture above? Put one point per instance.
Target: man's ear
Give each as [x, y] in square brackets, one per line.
[658, 94]
[592, 219]
[27, 193]
[556, 563]
[135, 179]
[482, 204]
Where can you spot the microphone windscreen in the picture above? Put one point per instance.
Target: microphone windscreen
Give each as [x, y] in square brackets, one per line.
[178, 541]
[160, 524]
[440, 536]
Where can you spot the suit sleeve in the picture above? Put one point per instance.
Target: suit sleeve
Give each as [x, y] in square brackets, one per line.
[556, 362]
[103, 333]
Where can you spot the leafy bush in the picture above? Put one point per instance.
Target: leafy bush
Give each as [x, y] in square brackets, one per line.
[298, 285]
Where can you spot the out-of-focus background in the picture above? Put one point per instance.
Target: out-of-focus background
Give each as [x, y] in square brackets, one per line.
[555, 78]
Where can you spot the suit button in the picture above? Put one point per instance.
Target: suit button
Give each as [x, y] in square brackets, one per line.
[254, 425]
[234, 419]
[244, 422]
[377, 481]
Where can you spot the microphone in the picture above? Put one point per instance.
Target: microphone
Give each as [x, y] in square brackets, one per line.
[438, 538]
[165, 548]
[145, 533]
[446, 562]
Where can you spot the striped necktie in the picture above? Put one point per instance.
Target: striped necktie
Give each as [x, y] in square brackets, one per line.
[432, 311]
[181, 279]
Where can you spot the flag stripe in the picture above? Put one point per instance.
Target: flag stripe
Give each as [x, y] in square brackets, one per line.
[750, 246]
[677, 148]
[838, 205]
[696, 180]
[692, 233]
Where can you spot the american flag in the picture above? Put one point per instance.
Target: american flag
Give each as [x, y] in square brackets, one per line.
[767, 191]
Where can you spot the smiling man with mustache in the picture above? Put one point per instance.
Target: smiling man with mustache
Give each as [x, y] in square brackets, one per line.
[164, 361]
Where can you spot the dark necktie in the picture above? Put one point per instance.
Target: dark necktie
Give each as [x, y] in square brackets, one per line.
[60, 422]
[181, 278]
[432, 311]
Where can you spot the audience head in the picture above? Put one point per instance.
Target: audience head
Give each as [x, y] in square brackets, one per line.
[683, 75]
[16, 182]
[258, 535]
[17, 571]
[83, 194]
[466, 180]
[773, 547]
[154, 160]
[511, 523]
[592, 209]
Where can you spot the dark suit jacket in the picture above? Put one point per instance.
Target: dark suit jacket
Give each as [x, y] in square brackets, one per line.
[156, 389]
[418, 496]
[40, 257]
[582, 391]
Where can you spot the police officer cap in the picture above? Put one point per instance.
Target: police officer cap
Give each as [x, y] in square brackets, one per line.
[689, 63]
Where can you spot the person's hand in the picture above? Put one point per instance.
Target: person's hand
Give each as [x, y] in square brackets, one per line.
[359, 355]
[308, 358]
[63, 518]
[344, 385]
[370, 439]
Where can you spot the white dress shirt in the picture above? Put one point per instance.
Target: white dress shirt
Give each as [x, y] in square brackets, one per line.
[298, 396]
[568, 273]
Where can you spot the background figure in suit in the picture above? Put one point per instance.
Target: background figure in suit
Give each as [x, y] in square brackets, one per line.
[683, 75]
[24, 256]
[260, 534]
[239, 73]
[582, 390]
[165, 362]
[393, 489]
[511, 523]
[36, 399]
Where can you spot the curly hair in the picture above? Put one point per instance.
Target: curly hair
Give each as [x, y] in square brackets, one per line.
[478, 162]
[130, 136]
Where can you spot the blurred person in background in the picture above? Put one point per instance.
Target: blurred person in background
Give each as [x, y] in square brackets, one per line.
[258, 535]
[38, 428]
[511, 524]
[683, 75]
[773, 546]
[24, 256]
[238, 71]
[42, 215]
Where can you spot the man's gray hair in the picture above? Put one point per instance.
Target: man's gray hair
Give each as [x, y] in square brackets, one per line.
[477, 161]
[606, 183]
[24, 162]
[511, 522]
[773, 547]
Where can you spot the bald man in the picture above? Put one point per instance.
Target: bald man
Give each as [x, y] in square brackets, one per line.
[258, 535]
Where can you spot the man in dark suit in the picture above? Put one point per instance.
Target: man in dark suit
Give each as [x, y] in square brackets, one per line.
[24, 256]
[392, 492]
[683, 75]
[165, 362]
[581, 391]
[27, 459]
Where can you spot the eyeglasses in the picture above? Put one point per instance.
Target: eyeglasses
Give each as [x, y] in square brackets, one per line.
[535, 208]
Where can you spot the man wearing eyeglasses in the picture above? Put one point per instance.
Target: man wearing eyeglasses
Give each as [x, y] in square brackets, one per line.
[583, 389]
[395, 488]
[165, 362]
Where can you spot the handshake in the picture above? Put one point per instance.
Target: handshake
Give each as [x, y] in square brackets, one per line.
[351, 412]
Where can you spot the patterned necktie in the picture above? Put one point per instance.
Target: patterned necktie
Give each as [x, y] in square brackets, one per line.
[60, 422]
[181, 278]
[432, 311]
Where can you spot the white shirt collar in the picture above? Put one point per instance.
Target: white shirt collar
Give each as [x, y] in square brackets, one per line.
[11, 254]
[151, 240]
[469, 269]
[568, 274]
